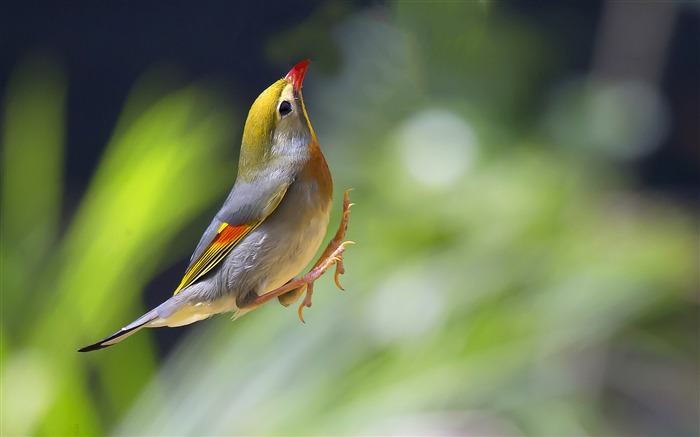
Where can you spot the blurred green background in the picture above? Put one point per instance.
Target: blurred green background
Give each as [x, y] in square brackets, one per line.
[527, 218]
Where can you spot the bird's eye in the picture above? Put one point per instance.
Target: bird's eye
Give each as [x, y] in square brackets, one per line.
[285, 108]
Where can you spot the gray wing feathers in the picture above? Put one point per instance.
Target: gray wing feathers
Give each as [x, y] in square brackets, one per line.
[244, 204]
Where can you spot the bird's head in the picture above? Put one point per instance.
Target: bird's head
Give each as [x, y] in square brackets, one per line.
[277, 128]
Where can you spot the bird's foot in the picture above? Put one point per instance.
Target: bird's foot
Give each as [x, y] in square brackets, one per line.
[333, 254]
[336, 257]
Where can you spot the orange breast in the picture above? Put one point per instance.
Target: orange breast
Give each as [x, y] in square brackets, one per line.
[317, 170]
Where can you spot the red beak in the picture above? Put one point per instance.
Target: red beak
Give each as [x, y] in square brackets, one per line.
[296, 74]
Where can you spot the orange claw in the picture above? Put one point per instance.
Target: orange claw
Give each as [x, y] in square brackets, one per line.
[306, 302]
[339, 270]
[339, 267]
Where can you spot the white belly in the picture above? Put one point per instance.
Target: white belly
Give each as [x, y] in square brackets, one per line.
[280, 248]
[296, 253]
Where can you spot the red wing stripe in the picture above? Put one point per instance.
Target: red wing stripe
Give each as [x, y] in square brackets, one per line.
[229, 233]
[220, 246]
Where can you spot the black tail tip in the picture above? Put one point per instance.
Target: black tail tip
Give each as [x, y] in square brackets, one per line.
[107, 342]
[121, 334]
[94, 347]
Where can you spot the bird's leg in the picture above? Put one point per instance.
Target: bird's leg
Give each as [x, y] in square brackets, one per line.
[333, 254]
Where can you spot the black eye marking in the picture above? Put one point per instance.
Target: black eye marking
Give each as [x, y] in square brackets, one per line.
[285, 108]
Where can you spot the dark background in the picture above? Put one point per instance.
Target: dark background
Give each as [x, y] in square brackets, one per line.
[106, 47]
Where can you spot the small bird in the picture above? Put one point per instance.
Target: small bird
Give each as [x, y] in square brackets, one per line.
[270, 226]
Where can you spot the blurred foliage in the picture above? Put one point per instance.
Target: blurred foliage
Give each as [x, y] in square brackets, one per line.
[510, 278]
[92, 276]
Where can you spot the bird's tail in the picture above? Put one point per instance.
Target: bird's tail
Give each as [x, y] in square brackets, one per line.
[120, 335]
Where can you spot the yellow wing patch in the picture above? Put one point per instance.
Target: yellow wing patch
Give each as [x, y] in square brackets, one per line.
[220, 246]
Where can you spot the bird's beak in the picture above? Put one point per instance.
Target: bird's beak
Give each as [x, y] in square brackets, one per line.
[296, 75]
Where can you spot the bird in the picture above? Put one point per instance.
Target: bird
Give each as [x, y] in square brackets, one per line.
[269, 227]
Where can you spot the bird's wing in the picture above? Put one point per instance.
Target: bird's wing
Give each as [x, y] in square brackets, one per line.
[235, 220]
